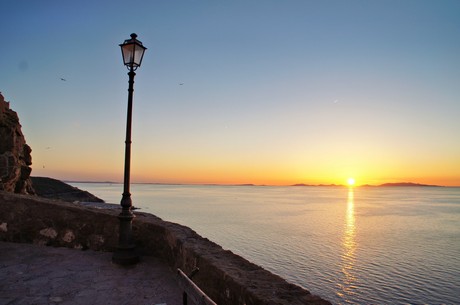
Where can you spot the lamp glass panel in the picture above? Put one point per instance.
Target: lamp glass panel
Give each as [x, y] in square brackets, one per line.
[127, 51]
[138, 54]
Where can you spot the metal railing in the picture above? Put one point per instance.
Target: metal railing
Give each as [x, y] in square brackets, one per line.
[191, 290]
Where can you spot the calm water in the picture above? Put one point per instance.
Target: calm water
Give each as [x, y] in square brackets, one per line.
[350, 246]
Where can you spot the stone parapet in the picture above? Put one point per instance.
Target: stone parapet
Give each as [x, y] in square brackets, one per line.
[226, 277]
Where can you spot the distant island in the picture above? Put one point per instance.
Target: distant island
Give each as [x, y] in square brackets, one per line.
[302, 184]
[380, 185]
[394, 184]
[89, 181]
[405, 184]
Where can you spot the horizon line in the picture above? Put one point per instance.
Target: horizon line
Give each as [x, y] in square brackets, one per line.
[387, 184]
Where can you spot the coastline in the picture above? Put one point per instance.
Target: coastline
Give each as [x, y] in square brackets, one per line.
[226, 277]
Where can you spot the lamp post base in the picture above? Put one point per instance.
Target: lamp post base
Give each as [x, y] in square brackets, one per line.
[125, 257]
[125, 254]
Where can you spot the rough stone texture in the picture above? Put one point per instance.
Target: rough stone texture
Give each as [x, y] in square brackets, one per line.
[15, 157]
[32, 274]
[31, 219]
[55, 189]
[227, 278]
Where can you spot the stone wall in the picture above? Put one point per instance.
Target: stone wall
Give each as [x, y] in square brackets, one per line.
[227, 278]
[15, 157]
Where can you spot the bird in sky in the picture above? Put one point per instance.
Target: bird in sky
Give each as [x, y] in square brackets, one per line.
[63, 79]
[180, 84]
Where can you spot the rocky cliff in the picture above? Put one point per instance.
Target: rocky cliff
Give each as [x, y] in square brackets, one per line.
[55, 189]
[15, 157]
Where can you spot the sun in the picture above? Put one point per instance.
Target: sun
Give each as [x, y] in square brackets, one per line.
[351, 181]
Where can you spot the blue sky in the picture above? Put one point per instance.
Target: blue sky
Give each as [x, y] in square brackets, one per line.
[273, 92]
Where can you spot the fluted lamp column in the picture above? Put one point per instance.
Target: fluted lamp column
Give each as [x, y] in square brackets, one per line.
[132, 51]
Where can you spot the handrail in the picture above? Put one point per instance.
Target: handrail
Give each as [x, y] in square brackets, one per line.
[192, 290]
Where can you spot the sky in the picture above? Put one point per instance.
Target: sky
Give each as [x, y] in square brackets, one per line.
[235, 92]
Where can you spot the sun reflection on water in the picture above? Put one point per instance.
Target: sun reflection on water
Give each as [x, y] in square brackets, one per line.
[349, 246]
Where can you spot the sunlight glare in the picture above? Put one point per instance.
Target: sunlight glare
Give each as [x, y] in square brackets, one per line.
[351, 181]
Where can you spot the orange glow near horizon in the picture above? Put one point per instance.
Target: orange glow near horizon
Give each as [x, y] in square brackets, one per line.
[181, 168]
[194, 174]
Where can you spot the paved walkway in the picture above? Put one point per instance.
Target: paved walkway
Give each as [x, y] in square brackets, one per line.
[32, 274]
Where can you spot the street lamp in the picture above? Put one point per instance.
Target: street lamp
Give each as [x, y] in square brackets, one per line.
[125, 254]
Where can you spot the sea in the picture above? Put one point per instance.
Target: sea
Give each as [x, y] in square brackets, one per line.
[361, 245]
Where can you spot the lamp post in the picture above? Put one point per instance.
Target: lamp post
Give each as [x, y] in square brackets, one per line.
[125, 254]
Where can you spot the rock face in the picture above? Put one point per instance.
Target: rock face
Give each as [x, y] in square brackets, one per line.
[15, 158]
